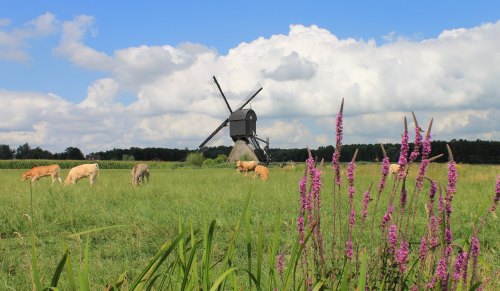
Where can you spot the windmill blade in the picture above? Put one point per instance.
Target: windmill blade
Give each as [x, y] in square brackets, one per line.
[214, 133]
[221, 138]
[250, 96]
[222, 94]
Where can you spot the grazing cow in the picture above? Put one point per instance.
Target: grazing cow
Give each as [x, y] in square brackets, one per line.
[140, 172]
[243, 166]
[37, 172]
[393, 170]
[262, 172]
[82, 171]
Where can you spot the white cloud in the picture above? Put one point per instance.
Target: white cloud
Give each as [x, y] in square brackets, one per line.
[453, 78]
[13, 43]
[72, 45]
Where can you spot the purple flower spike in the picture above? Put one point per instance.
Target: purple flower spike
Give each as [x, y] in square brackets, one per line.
[459, 262]
[426, 146]
[404, 195]
[392, 237]
[432, 190]
[338, 145]
[352, 218]
[423, 248]
[418, 140]
[279, 264]
[403, 154]
[448, 236]
[366, 201]
[497, 197]
[402, 255]
[387, 215]
[385, 172]
[441, 270]
[348, 249]
[452, 178]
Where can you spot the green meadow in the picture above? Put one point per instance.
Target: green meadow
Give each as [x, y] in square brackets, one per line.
[127, 226]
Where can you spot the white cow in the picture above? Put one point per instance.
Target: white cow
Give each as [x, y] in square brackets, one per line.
[82, 171]
[140, 173]
[393, 170]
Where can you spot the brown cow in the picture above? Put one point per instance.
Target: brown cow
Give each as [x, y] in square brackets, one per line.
[82, 171]
[41, 171]
[140, 172]
[244, 166]
[262, 172]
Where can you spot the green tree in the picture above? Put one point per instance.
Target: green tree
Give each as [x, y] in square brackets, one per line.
[72, 153]
[23, 151]
[6, 153]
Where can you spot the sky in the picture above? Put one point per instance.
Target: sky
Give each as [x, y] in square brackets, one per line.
[99, 75]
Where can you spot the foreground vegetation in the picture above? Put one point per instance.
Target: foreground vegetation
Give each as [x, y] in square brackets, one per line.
[141, 219]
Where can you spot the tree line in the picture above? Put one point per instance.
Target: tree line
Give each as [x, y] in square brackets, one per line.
[464, 151]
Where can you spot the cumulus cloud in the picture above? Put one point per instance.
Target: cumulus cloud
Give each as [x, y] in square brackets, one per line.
[72, 45]
[13, 43]
[452, 78]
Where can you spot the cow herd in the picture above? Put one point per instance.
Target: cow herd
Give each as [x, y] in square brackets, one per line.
[140, 173]
[252, 166]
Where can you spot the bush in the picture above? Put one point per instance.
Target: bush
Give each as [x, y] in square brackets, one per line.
[195, 159]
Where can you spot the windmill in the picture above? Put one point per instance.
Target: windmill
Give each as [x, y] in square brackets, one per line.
[242, 130]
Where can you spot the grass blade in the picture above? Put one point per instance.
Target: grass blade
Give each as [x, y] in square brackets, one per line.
[362, 271]
[259, 253]
[59, 269]
[156, 262]
[83, 275]
[249, 245]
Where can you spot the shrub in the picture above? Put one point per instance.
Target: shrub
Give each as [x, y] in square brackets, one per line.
[195, 159]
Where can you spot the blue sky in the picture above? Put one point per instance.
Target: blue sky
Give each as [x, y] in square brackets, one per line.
[96, 62]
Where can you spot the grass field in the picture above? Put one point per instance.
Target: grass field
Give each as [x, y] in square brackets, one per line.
[147, 216]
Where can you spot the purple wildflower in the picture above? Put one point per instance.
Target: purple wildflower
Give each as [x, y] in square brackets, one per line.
[302, 191]
[431, 284]
[350, 178]
[423, 248]
[497, 197]
[339, 122]
[279, 264]
[459, 263]
[441, 204]
[403, 154]
[417, 143]
[464, 268]
[433, 240]
[452, 178]
[448, 236]
[432, 190]
[402, 255]
[352, 218]
[426, 146]
[392, 237]
[385, 172]
[441, 270]
[387, 215]
[336, 167]
[348, 249]
[404, 195]
[300, 228]
[338, 145]
[366, 201]
[421, 173]
[474, 252]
